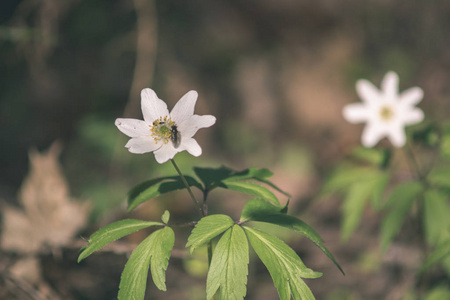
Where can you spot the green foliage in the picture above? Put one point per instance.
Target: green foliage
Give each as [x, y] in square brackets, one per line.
[346, 177]
[372, 156]
[165, 217]
[398, 204]
[229, 266]
[362, 180]
[252, 189]
[227, 178]
[153, 251]
[228, 270]
[150, 189]
[426, 134]
[262, 211]
[440, 177]
[355, 201]
[438, 293]
[436, 216]
[111, 233]
[445, 141]
[441, 252]
[213, 177]
[343, 177]
[208, 228]
[283, 264]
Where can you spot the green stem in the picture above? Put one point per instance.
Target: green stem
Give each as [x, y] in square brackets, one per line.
[188, 188]
[422, 177]
[414, 165]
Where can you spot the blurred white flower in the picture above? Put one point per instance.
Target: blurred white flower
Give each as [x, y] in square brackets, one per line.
[162, 132]
[385, 112]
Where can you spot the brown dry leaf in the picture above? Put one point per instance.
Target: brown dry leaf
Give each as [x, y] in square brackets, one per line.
[49, 217]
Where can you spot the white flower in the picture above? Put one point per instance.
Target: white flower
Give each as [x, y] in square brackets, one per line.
[162, 132]
[386, 112]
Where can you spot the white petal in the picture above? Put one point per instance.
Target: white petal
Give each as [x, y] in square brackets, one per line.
[367, 91]
[152, 107]
[389, 85]
[142, 144]
[190, 126]
[184, 108]
[133, 127]
[397, 136]
[413, 116]
[191, 146]
[355, 113]
[411, 97]
[166, 152]
[371, 135]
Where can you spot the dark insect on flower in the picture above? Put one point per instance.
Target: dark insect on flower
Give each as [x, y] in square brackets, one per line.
[175, 137]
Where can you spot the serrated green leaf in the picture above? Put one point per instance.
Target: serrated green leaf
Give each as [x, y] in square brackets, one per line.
[436, 216]
[262, 211]
[153, 251]
[165, 217]
[399, 203]
[440, 177]
[229, 266]
[442, 251]
[283, 264]
[111, 233]
[260, 175]
[208, 228]
[353, 206]
[213, 178]
[251, 173]
[252, 189]
[152, 188]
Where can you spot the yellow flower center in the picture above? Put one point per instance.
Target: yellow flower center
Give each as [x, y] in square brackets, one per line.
[386, 113]
[162, 129]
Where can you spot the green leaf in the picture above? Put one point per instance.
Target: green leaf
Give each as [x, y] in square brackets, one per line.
[399, 203]
[378, 189]
[445, 140]
[438, 293]
[229, 266]
[260, 175]
[283, 264]
[262, 211]
[345, 176]
[165, 217]
[378, 157]
[208, 228]
[440, 177]
[152, 188]
[252, 189]
[353, 206]
[154, 250]
[436, 216]
[442, 251]
[111, 233]
[213, 178]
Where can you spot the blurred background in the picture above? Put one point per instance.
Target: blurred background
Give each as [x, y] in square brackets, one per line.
[276, 74]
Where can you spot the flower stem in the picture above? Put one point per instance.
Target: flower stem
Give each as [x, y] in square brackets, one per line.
[197, 205]
[414, 165]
